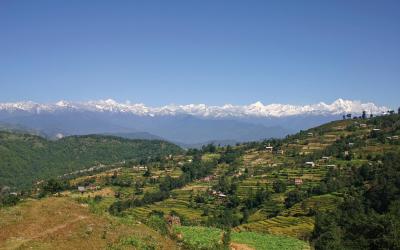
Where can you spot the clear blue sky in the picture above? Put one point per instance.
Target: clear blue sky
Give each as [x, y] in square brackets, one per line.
[213, 52]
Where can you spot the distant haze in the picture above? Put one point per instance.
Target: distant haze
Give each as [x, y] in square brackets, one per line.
[192, 124]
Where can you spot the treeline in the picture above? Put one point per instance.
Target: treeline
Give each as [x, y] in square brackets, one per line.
[28, 158]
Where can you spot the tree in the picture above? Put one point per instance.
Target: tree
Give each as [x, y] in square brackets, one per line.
[279, 186]
[226, 238]
[54, 186]
[293, 197]
[364, 115]
[147, 173]
[246, 215]
[398, 111]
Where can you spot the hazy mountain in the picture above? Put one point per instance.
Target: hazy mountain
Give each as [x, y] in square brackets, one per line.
[257, 109]
[184, 124]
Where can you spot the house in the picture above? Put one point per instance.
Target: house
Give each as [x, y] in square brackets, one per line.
[310, 134]
[325, 158]
[280, 152]
[140, 168]
[310, 163]
[331, 166]
[238, 174]
[218, 193]
[269, 148]
[363, 125]
[351, 144]
[93, 188]
[376, 129]
[395, 137]
[208, 178]
[81, 189]
[221, 195]
[298, 181]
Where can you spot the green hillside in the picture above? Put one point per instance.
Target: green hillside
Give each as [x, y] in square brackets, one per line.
[335, 186]
[26, 158]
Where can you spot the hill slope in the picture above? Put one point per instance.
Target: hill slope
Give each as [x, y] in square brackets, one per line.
[26, 158]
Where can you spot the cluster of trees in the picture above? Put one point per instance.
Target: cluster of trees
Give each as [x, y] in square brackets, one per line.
[7, 198]
[53, 186]
[191, 171]
[120, 181]
[369, 217]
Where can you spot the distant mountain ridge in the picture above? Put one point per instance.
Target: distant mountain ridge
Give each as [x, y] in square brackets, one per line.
[257, 109]
[182, 124]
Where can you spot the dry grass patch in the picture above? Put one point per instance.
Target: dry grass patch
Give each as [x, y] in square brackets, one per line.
[62, 223]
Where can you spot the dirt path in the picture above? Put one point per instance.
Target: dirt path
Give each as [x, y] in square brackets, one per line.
[57, 228]
[238, 246]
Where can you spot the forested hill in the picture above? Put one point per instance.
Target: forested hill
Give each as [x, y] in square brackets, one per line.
[26, 158]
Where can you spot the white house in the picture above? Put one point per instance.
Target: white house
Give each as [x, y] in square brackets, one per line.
[310, 163]
[269, 148]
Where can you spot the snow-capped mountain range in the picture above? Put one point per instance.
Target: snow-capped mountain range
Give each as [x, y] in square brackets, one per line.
[191, 124]
[258, 109]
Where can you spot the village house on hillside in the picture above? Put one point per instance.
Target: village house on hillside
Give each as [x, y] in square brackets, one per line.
[298, 181]
[310, 164]
[140, 168]
[218, 193]
[81, 189]
[269, 148]
[208, 178]
[325, 158]
[394, 137]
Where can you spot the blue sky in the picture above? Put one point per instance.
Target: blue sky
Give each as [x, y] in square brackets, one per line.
[213, 52]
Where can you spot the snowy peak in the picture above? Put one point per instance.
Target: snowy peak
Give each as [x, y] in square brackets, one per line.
[257, 109]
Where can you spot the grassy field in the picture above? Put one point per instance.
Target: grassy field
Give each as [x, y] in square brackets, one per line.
[211, 238]
[201, 238]
[267, 241]
[62, 223]
[299, 227]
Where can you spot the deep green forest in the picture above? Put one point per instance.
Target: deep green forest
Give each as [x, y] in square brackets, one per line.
[26, 158]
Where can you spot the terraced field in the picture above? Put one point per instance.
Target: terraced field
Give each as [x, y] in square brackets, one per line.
[227, 189]
[211, 238]
[298, 227]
